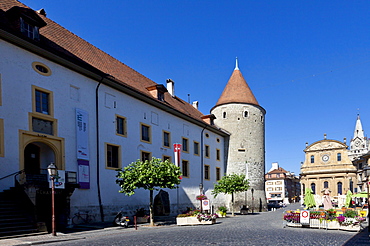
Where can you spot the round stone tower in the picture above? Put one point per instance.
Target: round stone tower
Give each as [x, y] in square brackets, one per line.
[238, 112]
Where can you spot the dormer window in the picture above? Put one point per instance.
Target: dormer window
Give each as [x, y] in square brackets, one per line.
[157, 91]
[27, 21]
[29, 30]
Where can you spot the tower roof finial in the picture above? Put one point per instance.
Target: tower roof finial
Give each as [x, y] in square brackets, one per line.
[236, 64]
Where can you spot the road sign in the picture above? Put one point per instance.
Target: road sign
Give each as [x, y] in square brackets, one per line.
[305, 217]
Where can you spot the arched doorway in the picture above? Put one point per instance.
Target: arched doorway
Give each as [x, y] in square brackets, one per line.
[37, 157]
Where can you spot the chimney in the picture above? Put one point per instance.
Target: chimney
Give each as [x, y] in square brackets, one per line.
[42, 12]
[171, 87]
[195, 104]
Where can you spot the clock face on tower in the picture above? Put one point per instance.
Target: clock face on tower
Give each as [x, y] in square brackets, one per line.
[325, 158]
[357, 143]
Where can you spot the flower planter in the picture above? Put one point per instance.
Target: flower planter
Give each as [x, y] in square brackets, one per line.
[350, 227]
[333, 225]
[292, 224]
[315, 223]
[141, 220]
[193, 221]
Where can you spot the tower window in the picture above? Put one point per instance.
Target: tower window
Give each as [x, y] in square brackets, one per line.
[326, 184]
[312, 159]
[224, 115]
[245, 114]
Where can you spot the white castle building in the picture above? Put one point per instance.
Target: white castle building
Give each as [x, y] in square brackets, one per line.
[64, 101]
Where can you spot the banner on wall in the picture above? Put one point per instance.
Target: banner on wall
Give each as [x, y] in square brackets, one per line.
[83, 174]
[82, 135]
[177, 152]
[59, 180]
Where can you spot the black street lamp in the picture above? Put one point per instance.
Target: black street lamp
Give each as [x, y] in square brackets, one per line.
[53, 172]
[252, 200]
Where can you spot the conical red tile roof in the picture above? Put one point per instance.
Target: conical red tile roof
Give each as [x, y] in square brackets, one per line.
[237, 91]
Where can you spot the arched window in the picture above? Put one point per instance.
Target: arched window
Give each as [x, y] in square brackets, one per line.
[224, 115]
[313, 188]
[339, 188]
[245, 114]
[326, 184]
[339, 157]
[312, 159]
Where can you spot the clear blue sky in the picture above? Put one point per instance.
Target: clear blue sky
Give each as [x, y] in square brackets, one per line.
[307, 62]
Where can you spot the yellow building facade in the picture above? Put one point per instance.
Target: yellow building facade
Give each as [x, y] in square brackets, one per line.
[327, 165]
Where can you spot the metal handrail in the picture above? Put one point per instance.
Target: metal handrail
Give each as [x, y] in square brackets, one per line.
[15, 173]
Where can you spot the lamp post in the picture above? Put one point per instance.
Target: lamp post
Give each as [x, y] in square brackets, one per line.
[52, 170]
[201, 193]
[367, 174]
[252, 200]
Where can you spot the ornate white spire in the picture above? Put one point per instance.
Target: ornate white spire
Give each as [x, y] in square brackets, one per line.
[359, 132]
[236, 64]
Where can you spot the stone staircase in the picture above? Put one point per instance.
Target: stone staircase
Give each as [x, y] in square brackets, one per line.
[15, 215]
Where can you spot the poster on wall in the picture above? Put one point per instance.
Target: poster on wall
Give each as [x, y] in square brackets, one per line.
[83, 174]
[82, 134]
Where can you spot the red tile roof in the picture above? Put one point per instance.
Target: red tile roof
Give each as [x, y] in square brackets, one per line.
[64, 43]
[237, 91]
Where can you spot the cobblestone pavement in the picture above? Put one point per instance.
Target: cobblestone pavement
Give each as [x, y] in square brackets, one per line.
[257, 229]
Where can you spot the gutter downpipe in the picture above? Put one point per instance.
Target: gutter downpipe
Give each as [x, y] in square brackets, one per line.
[201, 160]
[98, 149]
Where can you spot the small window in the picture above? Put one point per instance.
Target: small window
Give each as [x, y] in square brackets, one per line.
[245, 114]
[185, 145]
[145, 133]
[218, 154]
[42, 102]
[112, 155]
[166, 158]
[339, 187]
[196, 148]
[224, 115]
[185, 168]
[121, 125]
[206, 172]
[160, 96]
[312, 159]
[145, 156]
[326, 184]
[29, 30]
[261, 118]
[206, 151]
[207, 135]
[339, 157]
[166, 139]
[218, 173]
[41, 68]
[218, 140]
[313, 188]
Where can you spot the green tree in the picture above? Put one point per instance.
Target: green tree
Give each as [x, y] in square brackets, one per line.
[149, 175]
[231, 184]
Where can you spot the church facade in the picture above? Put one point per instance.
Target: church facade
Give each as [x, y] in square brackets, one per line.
[331, 164]
[66, 102]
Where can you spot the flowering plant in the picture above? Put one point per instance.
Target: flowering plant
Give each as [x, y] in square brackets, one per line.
[292, 217]
[349, 221]
[201, 197]
[206, 217]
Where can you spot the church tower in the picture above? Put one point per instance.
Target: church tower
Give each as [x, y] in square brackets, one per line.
[238, 112]
[359, 143]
